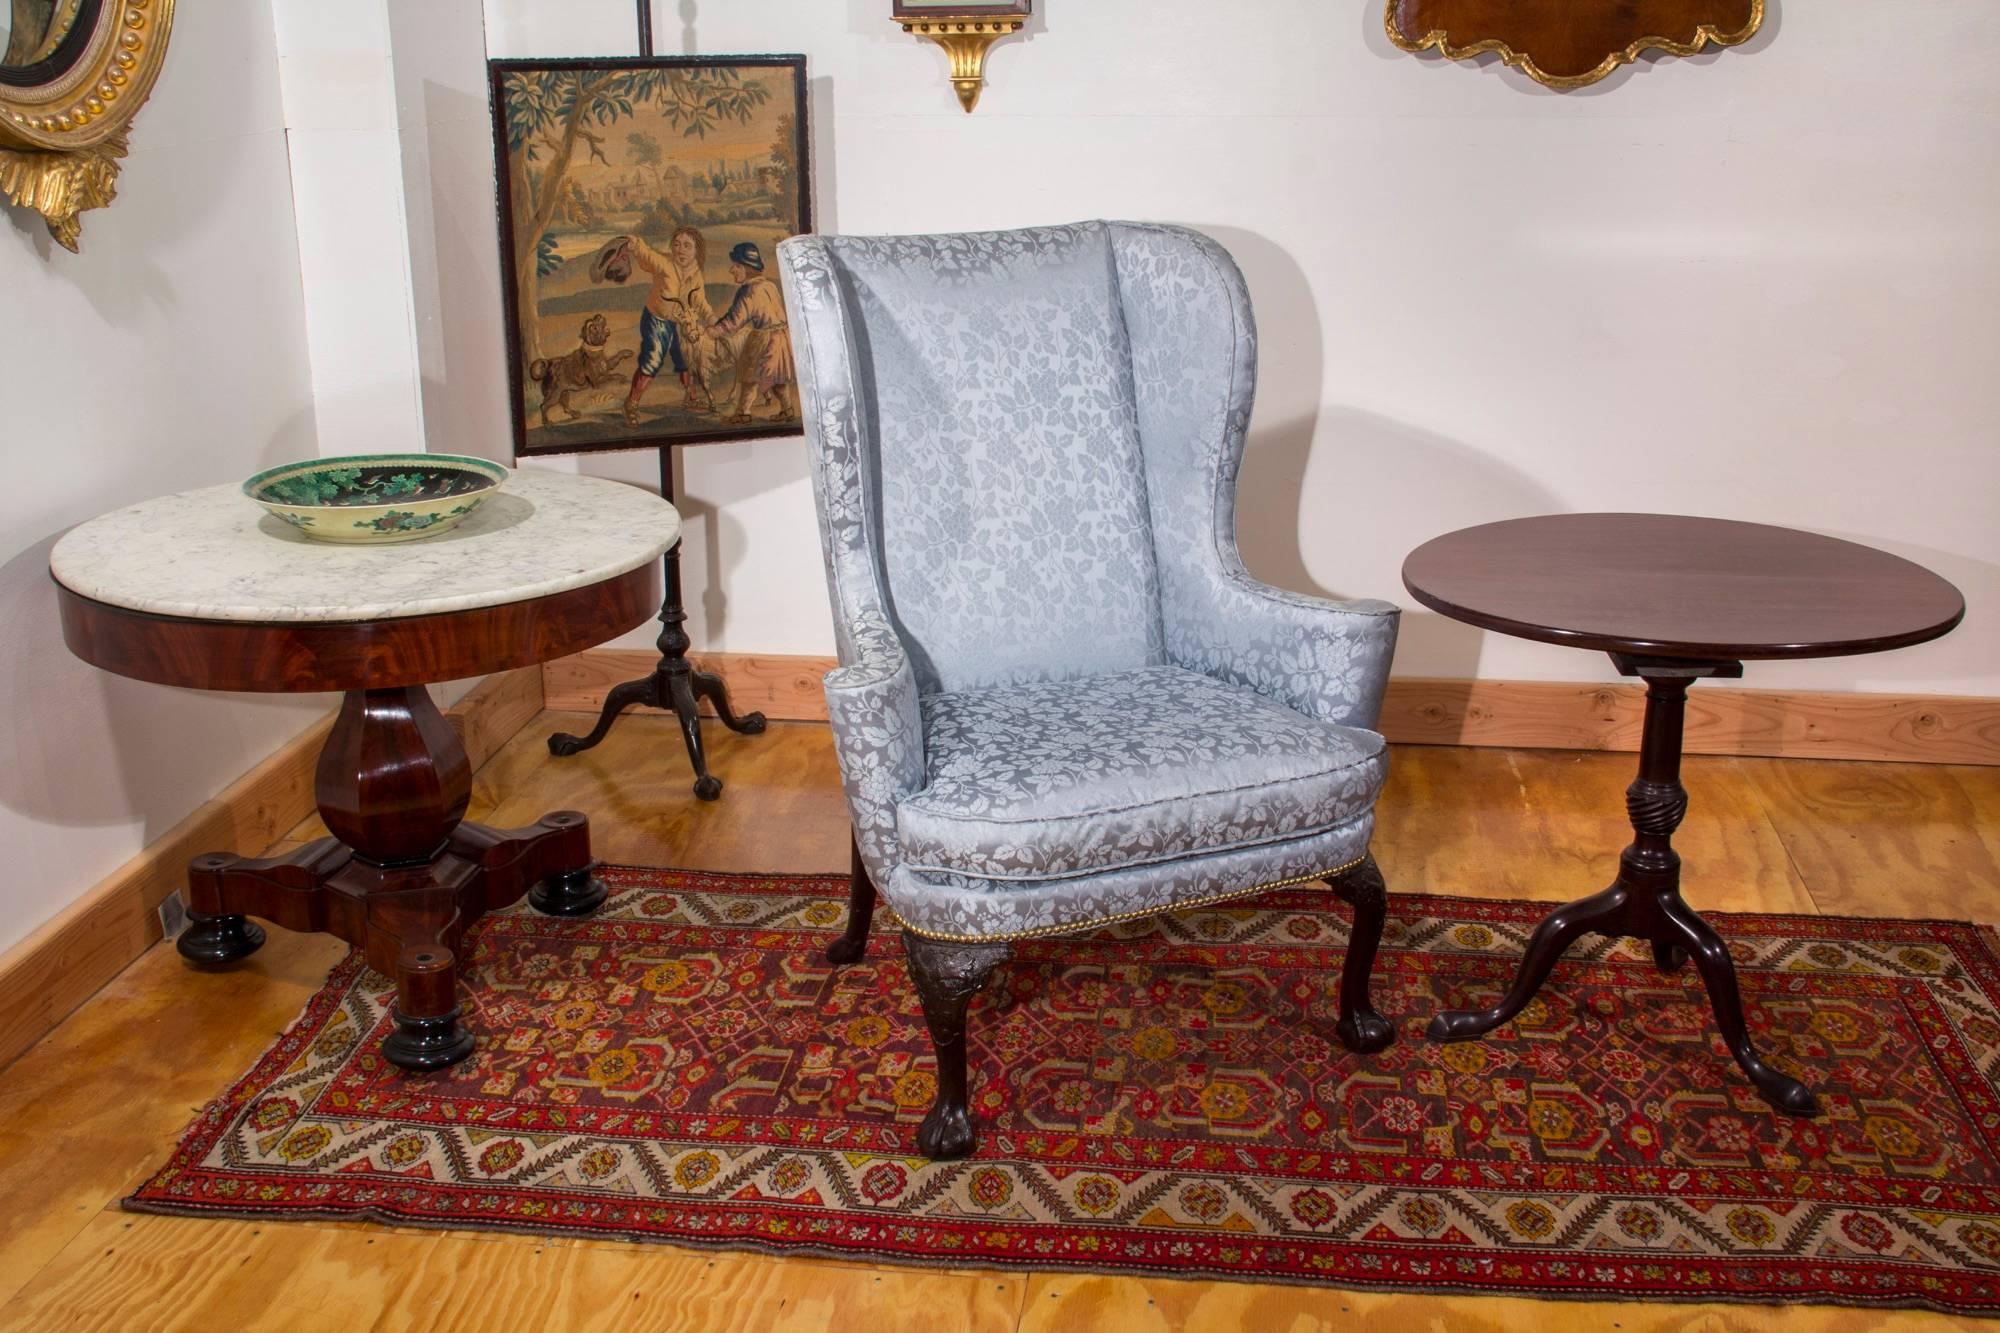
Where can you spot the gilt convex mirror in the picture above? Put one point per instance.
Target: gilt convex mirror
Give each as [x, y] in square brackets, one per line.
[72, 75]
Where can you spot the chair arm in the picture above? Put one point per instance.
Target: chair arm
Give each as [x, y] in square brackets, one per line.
[878, 738]
[1328, 659]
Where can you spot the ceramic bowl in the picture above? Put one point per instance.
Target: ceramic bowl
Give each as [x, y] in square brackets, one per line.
[376, 498]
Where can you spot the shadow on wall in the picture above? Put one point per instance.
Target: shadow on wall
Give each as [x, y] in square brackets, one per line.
[465, 393]
[819, 112]
[1369, 469]
[84, 748]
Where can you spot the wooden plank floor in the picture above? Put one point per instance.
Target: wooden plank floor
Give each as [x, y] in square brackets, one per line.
[97, 1105]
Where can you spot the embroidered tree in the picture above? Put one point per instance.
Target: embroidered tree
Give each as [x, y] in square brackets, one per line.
[643, 147]
[552, 113]
[785, 157]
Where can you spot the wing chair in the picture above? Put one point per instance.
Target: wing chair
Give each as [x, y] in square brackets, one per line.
[1061, 701]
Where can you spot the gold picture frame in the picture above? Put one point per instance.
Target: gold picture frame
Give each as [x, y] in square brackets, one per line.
[66, 113]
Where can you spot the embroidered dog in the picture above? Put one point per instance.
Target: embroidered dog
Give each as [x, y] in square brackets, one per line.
[586, 368]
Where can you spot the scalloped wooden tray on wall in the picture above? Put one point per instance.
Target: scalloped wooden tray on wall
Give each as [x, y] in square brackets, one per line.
[1569, 43]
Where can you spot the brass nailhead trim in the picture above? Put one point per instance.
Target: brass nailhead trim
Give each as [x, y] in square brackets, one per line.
[1040, 932]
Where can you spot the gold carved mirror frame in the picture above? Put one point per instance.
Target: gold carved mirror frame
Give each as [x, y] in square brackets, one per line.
[64, 116]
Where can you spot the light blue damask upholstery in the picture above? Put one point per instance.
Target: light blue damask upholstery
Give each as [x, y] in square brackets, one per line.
[1127, 768]
[1061, 700]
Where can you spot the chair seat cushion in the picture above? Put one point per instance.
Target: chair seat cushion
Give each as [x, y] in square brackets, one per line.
[1076, 777]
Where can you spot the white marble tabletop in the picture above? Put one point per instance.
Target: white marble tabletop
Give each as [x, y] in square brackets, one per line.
[215, 554]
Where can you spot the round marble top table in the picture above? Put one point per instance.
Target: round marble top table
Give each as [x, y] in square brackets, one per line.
[205, 590]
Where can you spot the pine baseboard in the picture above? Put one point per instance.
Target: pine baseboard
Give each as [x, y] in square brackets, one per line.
[1528, 715]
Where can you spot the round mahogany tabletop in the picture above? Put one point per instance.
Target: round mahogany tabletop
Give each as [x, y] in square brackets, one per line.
[1663, 585]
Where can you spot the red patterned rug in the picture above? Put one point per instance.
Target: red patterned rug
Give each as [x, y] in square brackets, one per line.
[1166, 1097]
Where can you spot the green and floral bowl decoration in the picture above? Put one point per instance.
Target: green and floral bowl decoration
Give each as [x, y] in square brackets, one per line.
[376, 498]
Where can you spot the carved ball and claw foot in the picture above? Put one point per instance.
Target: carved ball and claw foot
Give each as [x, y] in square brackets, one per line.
[1361, 1029]
[948, 976]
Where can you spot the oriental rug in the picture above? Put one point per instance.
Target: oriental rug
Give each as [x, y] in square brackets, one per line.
[1165, 1096]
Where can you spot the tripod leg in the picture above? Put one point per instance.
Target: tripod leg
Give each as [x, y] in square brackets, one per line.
[621, 698]
[1559, 929]
[685, 708]
[709, 686]
[1718, 972]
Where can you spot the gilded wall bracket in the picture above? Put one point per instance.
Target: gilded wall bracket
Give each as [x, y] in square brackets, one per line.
[966, 32]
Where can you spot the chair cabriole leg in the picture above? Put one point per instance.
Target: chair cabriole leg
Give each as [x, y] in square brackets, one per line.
[947, 977]
[1361, 1028]
[860, 913]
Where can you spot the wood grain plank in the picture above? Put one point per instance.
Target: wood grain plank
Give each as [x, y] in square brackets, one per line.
[198, 1274]
[1079, 1303]
[619, 1288]
[1883, 841]
[1982, 790]
[125, 1272]
[95, 1107]
[781, 806]
[1447, 814]
[1542, 715]
[55, 969]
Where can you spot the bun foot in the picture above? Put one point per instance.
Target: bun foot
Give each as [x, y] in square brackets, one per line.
[421, 1045]
[426, 980]
[946, 1132]
[215, 940]
[707, 787]
[568, 893]
[1365, 1032]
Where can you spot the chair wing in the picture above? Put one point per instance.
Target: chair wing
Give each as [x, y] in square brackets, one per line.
[1194, 369]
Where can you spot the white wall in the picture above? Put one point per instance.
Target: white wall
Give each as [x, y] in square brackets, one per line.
[170, 354]
[1757, 284]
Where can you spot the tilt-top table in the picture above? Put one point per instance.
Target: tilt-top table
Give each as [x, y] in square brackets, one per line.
[205, 590]
[1672, 600]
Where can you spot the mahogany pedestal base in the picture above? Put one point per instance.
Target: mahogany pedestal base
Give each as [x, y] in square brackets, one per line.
[1645, 902]
[402, 877]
